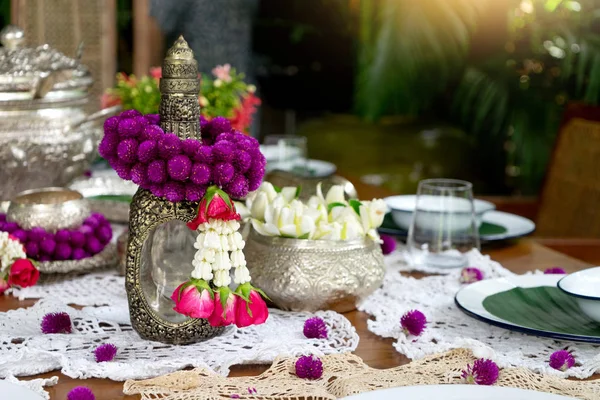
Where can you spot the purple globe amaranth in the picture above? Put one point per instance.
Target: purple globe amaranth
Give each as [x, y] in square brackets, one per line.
[190, 147]
[237, 188]
[482, 372]
[81, 393]
[92, 221]
[139, 174]
[174, 192]
[242, 161]
[45, 257]
[179, 167]
[57, 322]
[204, 155]
[219, 125]
[223, 173]
[130, 113]
[169, 146]
[63, 251]
[105, 352]
[86, 230]
[47, 246]
[108, 146]
[153, 118]
[309, 367]
[36, 234]
[388, 244]
[63, 235]
[129, 127]
[555, 270]
[104, 234]
[32, 249]
[157, 171]
[152, 132]
[255, 180]
[142, 122]
[77, 239]
[79, 254]
[413, 322]
[147, 151]
[157, 190]
[562, 360]
[10, 227]
[127, 151]
[194, 192]
[200, 174]
[111, 124]
[20, 234]
[223, 151]
[471, 275]
[122, 169]
[93, 245]
[315, 328]
[229, 136]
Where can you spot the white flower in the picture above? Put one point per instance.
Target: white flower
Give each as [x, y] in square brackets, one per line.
[237, 258]
[289, 193]
[241, 275]
[10, 250]
[202, 270]
[224, 243]
[222, 278]
[259, 205]
[236, 242]
[212, 240]
[205, 254]
[268, 189]
[335, 195]
[372, 213]
[222, 261]
[218, 83]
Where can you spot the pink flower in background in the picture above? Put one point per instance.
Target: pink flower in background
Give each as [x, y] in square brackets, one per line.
[109, 100]
[222, 72]
[23, 273]
[194, 299]
[242, 116]
[156, 72]
[223, 316]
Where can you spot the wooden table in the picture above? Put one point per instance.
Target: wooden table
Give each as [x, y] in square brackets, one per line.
[521, 256]
[377, 352]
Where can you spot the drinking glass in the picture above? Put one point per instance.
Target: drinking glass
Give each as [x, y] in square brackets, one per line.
[444, 226]
[287, 153]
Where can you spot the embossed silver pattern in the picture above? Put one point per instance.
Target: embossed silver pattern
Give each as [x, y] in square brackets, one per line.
[310, 275]
[49, 208]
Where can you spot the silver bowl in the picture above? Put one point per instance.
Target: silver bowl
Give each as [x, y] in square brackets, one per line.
[50, 208]
[310, 275]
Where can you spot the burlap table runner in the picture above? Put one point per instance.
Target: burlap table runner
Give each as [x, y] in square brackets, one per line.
[344, 375]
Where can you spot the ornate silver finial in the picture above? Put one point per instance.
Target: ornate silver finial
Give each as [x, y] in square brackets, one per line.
[12, 37]
[179, 87]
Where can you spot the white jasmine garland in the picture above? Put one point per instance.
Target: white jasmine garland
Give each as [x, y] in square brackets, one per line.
[10, 250]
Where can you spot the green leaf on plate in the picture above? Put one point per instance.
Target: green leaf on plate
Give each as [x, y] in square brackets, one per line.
[487, 228]
[331, 206]
[544, 308]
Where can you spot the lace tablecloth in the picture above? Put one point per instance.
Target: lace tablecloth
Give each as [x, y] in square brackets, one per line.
[450, 328]
[24, 350]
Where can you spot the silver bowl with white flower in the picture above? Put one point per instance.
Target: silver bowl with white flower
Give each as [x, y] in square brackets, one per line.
[310, 275]
[322, 254]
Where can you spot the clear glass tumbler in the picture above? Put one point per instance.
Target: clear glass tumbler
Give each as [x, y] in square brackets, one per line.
[444, 226]
[288, 154]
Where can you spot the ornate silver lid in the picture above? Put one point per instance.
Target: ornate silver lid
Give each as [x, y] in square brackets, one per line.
[30, 73]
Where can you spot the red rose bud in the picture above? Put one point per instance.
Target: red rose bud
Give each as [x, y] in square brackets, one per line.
[215, 204]
[224, 313]
[250, 308]
[23, 273]
[194, 299]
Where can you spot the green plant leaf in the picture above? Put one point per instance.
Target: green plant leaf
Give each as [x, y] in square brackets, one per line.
[355, 204]
[331, 206]
[305, 236]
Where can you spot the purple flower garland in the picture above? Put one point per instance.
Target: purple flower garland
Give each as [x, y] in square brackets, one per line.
[66, 244]
[139, 150]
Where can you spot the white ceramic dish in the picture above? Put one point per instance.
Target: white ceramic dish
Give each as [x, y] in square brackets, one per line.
[584, 286]
[12, 391]
[470, 300]
[403, 207]
[456, 392]
[516, 226]
[314, 168]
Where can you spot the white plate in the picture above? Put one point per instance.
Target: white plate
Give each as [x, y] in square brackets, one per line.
[516, 226]
[316, 168]
[470, 300]
[10, 391]
[456, 392]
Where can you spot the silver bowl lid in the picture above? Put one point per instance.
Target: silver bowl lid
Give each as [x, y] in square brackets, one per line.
[38, 73]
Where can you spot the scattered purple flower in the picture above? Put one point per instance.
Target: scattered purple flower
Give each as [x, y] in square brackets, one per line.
[471, 275]
[554, 270]
[81, 393]
[59, 322]
[482, 372]
[235, 396]
[562, 360]
[105, 352]
[413, 322]
[315, 328]
[252, 390]
[309, 367]
[388, 244]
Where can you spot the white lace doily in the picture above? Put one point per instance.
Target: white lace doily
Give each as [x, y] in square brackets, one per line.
[450, 328]
[35, 385]
[24, 350]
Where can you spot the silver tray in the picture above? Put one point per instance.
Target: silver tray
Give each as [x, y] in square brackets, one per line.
[106, 258]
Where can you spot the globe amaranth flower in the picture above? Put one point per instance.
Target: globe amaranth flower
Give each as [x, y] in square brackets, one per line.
[130, 113]
[470, 275]
[111, 124]
[130, 127]
[554, 270]
[179, 167]
[81, 393]
[157, 171]
[58, 322]
[223, 151]
[242, 160]
[388, 245]
[204, 155]
[105, 352]
[152, 132]
[223, 173]
[174, 191]
[200, 174]
[562, 360]
[190, 147]
[482, 372]
[413, 322]
[238, 187]
[127, 151]
[309, 367]
[147, 151]
[315, 328]
[195, 192]
[139, 174]
[169, 146]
